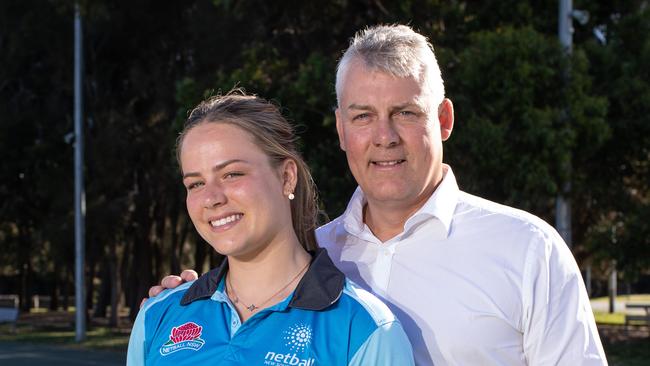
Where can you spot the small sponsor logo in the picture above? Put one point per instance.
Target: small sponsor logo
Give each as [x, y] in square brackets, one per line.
[186, 336]
[297, 339]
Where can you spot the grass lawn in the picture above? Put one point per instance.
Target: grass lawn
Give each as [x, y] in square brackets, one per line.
[630, 353]
[102, 338]
[57, 328]
[601, 306]
[609, 318]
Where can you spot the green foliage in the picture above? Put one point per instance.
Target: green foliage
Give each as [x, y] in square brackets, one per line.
[616, 177]
[520, 119]
[513, 133]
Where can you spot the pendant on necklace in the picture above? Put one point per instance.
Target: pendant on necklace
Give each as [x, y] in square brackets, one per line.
[251, 308]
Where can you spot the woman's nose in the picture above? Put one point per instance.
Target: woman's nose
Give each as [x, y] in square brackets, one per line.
[214, 196]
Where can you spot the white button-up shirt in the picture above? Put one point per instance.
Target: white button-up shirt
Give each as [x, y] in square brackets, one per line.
[473, 282]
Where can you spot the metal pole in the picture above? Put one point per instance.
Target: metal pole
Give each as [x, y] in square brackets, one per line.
[562, 202]
[565, 24]
[79, 195]
[613, 288]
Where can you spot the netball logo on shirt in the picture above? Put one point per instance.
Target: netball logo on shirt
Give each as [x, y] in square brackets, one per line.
[186, 336]
[297, 339]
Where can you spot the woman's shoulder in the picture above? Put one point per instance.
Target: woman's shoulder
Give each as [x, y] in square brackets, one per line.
[166, 298]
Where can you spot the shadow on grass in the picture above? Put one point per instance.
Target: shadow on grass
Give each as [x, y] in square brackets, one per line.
[629, 353]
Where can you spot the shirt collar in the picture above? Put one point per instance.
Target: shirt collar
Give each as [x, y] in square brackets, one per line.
[353, 215]
[320, 287]
[441, 205]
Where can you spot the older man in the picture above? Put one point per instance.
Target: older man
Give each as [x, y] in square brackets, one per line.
[473, 282]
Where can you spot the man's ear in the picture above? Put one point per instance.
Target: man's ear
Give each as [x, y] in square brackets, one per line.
[289, 174]
[446, 118]
[339, 128]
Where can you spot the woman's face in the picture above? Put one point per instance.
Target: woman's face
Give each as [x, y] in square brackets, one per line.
[235, 198]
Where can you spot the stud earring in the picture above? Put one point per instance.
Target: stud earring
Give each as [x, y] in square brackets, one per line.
[291, 196]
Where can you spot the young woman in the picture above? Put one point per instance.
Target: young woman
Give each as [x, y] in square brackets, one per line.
[277, 299]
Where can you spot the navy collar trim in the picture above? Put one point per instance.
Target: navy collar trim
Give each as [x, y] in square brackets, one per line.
[320, 287]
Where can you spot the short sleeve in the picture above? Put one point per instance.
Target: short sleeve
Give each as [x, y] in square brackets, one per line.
[387, 345]
[135, 354]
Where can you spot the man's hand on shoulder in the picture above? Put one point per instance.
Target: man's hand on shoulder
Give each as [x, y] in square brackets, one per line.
[171, 281]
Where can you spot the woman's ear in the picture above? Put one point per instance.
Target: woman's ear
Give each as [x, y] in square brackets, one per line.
[289, 174]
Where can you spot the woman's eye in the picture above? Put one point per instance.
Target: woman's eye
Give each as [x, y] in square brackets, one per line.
[233, 175]
[191, 186]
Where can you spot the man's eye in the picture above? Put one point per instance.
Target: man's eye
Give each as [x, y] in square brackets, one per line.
[407, 113]
[360, 116]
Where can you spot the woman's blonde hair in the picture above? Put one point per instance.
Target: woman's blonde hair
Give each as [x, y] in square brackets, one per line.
[273, 134]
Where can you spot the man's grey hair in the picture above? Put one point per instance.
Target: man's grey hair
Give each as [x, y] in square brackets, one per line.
[397, 50]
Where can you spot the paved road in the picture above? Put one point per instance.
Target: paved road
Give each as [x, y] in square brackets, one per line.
[23, 354]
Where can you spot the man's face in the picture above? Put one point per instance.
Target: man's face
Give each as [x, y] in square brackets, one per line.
[391, 134]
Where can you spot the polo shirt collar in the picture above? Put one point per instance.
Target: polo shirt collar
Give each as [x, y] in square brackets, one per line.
[320, 287]
[441, 206]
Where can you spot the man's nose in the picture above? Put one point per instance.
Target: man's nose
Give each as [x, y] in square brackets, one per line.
[385, 134]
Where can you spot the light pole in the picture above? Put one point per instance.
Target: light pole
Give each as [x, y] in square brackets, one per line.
[562, 201]
[566, 16]
[79, 195]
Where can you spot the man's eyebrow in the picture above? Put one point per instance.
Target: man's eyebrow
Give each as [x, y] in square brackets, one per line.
[396, 107]
[360, 106]
[407, 105]
[215, 168]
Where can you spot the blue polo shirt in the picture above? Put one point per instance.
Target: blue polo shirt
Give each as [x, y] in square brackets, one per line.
[327, 320]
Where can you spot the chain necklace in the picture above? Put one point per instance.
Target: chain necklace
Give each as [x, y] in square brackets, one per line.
[252, 307]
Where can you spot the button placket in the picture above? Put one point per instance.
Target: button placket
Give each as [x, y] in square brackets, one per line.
[235, 323]
[382, 267]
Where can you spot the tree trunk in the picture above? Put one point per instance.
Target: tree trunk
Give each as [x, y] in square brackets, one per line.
[104, 291]
[141, 267]
[175, 244]
[114, 274]
[24, 295]
[54, 294]
[26, 288]
[66, 289]
[90, 288]
[158, 240]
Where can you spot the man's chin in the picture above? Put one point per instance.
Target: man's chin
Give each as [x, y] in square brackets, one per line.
[387, 195]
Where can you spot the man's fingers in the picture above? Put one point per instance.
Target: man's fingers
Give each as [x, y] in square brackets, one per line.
[155, 290]
[189, 275]
[170, 282]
